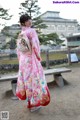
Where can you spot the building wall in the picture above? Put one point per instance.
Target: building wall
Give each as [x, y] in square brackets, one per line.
[58, 25]
[60, 28]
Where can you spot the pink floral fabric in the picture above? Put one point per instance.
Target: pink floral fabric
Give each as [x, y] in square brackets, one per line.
[31, 83]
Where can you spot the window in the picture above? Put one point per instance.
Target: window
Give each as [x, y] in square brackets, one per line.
[70, 28]
[78, 38]
[51, 27]
[61, 27]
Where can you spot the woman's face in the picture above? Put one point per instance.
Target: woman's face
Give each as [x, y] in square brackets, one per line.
[28, 23]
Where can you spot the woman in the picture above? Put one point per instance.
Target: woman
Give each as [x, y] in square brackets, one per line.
[31, 83]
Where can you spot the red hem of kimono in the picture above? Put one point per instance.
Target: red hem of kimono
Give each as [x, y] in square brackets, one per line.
[38, 103]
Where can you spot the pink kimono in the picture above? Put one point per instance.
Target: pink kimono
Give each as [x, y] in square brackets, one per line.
[31, 83]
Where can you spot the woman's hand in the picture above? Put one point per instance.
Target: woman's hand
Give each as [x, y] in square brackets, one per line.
[39, 58]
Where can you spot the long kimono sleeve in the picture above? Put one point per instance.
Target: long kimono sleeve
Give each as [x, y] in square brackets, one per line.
[35, 44]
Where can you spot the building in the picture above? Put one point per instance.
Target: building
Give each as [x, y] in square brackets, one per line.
[63, 27]
[73, 40]
[78, 28]
[2, 40]
[10, 32]
[14, 29]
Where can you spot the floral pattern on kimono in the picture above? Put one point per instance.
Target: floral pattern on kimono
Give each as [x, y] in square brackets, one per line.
[31, 83]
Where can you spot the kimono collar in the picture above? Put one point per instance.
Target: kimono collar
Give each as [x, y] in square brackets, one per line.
[25, 28]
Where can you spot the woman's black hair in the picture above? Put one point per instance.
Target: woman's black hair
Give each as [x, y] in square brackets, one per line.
[24, 18]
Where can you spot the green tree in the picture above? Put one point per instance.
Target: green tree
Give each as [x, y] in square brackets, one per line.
[43, 39]
[5, 31]
[31, 7]
[12, 43]
[51, 38]
[54, 38]
[4, 15]
[38, 24]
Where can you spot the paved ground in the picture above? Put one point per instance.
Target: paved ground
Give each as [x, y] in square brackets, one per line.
[64, 105]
